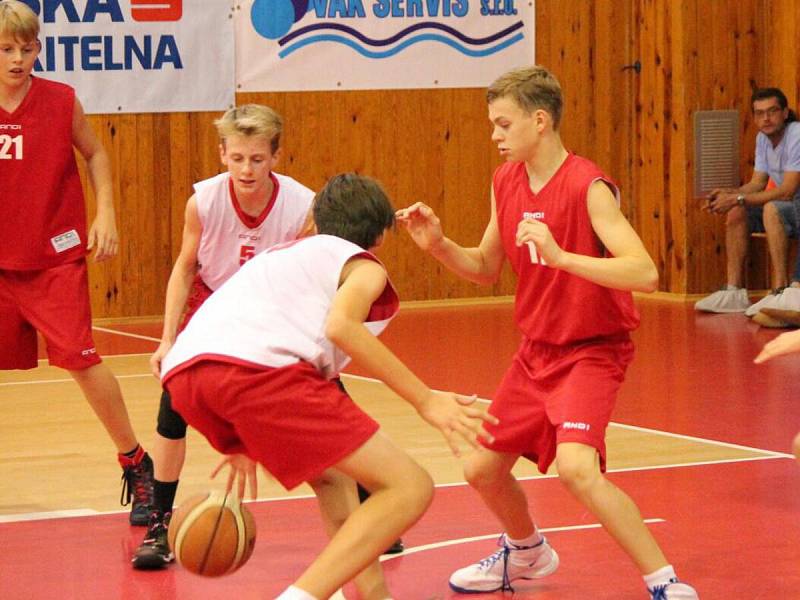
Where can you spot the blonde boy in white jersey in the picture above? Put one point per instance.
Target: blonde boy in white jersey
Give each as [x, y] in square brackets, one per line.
[255, 372]
[230, 218]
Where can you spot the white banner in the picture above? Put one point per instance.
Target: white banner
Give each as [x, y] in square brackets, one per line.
[140, 55]
[295, 45]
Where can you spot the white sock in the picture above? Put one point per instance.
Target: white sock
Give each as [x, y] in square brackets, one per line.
[730, 287]
[295, 593]
[531, 540]
[663, 576]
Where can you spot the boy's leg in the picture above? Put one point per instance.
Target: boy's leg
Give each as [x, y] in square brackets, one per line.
[489, 473]
[169, 453]
[101, 389]
[363, 493]
[579, 470]
[401, 491]
[524, 553]
[337, 498]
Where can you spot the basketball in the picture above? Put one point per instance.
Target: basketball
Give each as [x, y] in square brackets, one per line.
[212, 534]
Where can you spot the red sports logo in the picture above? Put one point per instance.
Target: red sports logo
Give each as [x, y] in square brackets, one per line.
[156, 10]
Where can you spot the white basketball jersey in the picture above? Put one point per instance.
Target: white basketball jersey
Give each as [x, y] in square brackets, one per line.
[273, 310]
[231, 237]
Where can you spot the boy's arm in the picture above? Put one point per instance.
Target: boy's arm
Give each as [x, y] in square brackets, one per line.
[180, 283]
[103, 231]
[628, 268]
[363, 281]
[481, 264]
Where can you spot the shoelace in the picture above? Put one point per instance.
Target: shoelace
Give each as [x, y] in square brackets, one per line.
[488, 562]
[131, 478]
[659, 592]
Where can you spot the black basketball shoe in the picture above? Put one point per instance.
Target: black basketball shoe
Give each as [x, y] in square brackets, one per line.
[154, 552]
[137, 490]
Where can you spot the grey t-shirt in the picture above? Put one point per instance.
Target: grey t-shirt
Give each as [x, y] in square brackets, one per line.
[783, 157]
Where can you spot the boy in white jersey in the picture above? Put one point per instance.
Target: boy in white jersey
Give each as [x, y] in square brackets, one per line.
[230, 218]
[254, 372]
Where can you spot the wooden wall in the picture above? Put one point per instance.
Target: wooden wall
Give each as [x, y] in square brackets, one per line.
[434, 145]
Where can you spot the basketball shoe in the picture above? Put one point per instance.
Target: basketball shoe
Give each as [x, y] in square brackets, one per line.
[137, 488]
[154, 552]
[674, 590]
[510, 563]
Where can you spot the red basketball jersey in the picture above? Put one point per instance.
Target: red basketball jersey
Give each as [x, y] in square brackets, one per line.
[553, 306]
[42, 212]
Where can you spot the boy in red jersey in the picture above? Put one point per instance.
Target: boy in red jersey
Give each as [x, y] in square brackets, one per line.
[555, 216]
[254, 371]
[43, 273]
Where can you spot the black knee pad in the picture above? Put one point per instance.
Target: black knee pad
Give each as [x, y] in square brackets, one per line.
[170, 424]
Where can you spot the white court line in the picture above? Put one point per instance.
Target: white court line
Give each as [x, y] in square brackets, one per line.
[54, 514]
[68, 380]
[494, 536]
[126, 334]
[699, 439]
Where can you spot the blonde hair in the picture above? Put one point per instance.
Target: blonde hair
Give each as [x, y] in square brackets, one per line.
[533, 88]
[18, 21]
[251, 120]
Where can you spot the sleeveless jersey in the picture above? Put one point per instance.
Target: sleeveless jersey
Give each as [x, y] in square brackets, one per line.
[230, 237]
[551, 305]
[272, 312]
[42, 210]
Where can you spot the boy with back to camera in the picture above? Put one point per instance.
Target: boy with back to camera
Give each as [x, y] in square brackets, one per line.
[254, 372]
[555, 217]
[43, 272]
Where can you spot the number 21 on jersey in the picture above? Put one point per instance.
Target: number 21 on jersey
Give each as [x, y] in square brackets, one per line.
[10, 147]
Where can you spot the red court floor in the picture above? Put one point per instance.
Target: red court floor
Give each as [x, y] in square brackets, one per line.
[731, 528]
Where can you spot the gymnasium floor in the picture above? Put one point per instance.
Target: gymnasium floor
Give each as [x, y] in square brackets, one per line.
[699, 440]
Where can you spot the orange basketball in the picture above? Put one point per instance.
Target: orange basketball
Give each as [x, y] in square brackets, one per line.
[212, 534]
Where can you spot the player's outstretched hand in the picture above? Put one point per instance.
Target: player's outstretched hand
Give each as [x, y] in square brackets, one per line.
[422, 224]
[103, 238]
[158, 356]
[457, 416]
[783, 344]
[243, 473]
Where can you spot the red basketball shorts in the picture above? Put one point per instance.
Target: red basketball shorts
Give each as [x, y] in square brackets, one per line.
[555, 394]
[289, 419]
[55, 302]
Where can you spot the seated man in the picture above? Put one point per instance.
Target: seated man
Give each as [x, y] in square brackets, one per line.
[754, 207]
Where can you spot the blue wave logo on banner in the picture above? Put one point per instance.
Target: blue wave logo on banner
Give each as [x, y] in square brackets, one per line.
[273, 19]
